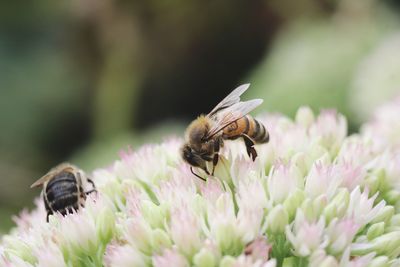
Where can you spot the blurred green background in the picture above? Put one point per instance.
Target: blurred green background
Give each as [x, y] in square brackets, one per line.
[81, 80]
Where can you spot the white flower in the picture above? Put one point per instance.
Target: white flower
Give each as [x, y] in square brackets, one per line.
[170, 258]
[245, 261]
[341, 234]
[351, 261]
[319, 258]
[123, 256]
[361, 208]
[322, 180]
[384, 128]
[330, 128]
[283, 180]
[223, 226]
[50, 255]
[305, 236]
[78, 232]
[277, 219]
[185, 230]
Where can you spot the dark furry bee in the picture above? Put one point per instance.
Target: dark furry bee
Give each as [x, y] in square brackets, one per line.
[227, 121]
[63, 189]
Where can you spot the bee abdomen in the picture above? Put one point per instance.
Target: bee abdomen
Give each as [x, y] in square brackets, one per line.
[62, 193]
[257, 131]
[65, 203]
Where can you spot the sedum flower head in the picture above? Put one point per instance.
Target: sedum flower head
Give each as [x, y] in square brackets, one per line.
[313, 197]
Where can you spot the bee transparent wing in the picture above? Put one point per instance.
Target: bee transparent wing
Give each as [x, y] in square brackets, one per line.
[41, 180]
[231, 114]
[47, 176]
[229, 100]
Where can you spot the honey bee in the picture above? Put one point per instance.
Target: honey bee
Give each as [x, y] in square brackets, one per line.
[63, 189]
[227, 121]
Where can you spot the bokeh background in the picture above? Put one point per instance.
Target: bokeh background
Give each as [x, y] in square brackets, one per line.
[82, 79]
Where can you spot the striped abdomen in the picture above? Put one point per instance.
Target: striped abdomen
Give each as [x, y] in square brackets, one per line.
[248, 126]
[63, 193]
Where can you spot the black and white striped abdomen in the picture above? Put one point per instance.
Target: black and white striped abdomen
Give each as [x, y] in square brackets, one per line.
[62, 193]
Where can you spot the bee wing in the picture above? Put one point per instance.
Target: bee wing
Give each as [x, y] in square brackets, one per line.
[229, 100]
[47, 176]
[231, 114]
[41, 180]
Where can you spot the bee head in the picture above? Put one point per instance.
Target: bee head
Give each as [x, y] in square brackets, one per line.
[192, 157]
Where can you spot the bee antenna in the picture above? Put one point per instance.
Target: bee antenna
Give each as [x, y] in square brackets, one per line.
[191, 169]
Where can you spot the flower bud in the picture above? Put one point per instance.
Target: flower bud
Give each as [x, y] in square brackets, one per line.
[289, 262]
[293, 202]
[305, 116]
[277, 219]
[395, 220]
[329, 261]
[19, 248]
[313, 208]
[392, 197]
[387, 244]
[381, 261]
[154, 214]
[319, 204]
[374, 181]
[300, 159]
[384, 215]
[160, 240]
[204, 258]
[375, 230]
[227, 261]
[394, 262]
[138, 233]
[337, 206]
[105, 225]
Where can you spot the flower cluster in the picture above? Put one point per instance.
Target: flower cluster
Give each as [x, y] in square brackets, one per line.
[313, 197]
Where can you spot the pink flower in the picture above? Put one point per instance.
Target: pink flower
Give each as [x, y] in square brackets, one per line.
[358, 261]
[283, 180]
[49, 255]
[123, 256]
[212, 190]
[361, 208]
[341, 233]
[305, 236]
[170, 258]
[185, 230]
[351, 175]
[384, 128]
[330, 128]
[322, 180]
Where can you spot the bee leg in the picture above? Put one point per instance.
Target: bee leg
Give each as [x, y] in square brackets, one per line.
[90, 191]
[206, 171]
[215, 162]
[91, 181]
[217, 146]
[48, 214]
[93, 185]
[250, 147]
[191, 169]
